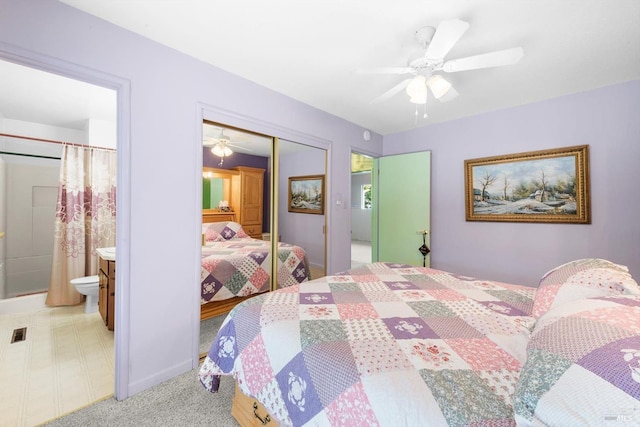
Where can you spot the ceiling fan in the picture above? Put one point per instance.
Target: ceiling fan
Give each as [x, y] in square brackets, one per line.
[429, 59]
[220, 146]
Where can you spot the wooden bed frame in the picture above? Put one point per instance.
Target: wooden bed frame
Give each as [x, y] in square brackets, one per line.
[248, 412]
[216, 308]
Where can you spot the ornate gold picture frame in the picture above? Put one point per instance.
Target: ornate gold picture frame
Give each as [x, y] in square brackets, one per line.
[306, 194]
[538, 186]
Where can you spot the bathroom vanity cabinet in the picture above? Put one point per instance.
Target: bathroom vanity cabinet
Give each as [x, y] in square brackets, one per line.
[107, 288]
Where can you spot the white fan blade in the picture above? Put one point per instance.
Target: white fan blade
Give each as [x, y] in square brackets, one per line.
[486, 60]
[387, 70]
[240, 147]
[394, 90]
[447, 34]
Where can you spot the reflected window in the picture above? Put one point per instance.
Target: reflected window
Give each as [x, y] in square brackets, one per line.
[365, 196]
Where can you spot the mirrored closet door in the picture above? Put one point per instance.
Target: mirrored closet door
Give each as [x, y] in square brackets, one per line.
[246, 195]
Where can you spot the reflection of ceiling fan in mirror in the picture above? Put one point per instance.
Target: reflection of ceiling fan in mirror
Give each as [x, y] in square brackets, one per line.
[221, 145]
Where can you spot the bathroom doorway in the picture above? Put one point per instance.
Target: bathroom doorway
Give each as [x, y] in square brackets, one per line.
[38, 112]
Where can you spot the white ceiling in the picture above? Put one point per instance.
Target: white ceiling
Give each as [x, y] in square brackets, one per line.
[311, 50]
[31, 95]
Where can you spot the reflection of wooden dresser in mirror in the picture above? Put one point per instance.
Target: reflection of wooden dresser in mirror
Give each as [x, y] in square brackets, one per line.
[246, 199]
[242, 187]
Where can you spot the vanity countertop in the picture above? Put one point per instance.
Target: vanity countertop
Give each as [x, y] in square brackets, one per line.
[108, 254]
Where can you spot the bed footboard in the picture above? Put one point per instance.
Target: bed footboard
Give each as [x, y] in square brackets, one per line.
[216, 308]
[249, 412]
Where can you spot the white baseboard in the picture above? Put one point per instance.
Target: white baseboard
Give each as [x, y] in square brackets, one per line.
[160, 377]
[314, 265]
[23, 304]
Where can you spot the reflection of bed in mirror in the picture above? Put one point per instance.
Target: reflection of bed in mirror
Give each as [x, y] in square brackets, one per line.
[235, 266]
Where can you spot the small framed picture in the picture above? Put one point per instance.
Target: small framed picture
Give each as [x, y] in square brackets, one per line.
[306, 194]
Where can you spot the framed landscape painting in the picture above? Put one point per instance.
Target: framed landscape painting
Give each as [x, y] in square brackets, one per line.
[306, 194]
[538, 186]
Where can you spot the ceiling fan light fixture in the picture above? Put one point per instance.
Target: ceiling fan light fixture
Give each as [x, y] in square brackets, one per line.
[221, 150]
[439, 86]
[419, 99]
[417, 90]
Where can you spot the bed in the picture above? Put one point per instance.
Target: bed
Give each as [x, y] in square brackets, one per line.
[395, 345]
[235, 267]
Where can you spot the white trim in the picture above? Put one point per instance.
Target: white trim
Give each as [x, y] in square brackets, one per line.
[159, 377]
[123, 243]
[219, 115]
[198, 163]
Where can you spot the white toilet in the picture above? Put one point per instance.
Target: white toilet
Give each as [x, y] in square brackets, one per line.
[88, 286]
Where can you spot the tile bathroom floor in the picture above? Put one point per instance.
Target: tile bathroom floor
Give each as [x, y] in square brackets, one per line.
[66, 362]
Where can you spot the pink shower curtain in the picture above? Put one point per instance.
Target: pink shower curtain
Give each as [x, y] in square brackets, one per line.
[85, 219]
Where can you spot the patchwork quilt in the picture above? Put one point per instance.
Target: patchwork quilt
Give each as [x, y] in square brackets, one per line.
[380, 345]
[240, 267]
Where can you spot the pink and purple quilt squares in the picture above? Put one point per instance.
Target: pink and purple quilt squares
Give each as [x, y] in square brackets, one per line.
[239, 267]
[583, 365]
[383, 344]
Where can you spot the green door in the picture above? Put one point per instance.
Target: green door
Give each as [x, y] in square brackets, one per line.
[401, 211]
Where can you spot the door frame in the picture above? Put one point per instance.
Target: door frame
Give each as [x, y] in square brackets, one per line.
[123, 183]
[373, 222]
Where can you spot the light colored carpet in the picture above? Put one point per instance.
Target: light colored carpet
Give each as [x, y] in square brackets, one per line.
[208, 330]
[360, 253]
[181, 401]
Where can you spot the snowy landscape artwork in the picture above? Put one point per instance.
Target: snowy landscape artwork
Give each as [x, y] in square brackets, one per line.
[538, 186]
[306, 194]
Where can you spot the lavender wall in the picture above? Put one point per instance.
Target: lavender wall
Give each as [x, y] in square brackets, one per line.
[606, 119]
[305, 230]
[163, 100]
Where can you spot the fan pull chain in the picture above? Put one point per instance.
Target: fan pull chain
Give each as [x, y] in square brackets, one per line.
[424, 115]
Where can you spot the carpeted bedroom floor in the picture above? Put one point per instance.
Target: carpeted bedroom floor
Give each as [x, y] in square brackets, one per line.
[181, 401]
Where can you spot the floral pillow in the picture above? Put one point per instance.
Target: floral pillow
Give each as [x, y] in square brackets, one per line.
[581, 279]
[221, 231]
[583, 365]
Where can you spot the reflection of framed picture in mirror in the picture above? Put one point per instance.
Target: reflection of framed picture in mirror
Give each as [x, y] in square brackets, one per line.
[538, 186]
[306, 194]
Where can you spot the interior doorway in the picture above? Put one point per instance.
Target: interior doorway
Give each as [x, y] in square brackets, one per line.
[36, 115]
[361, 209]
[402, 210]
